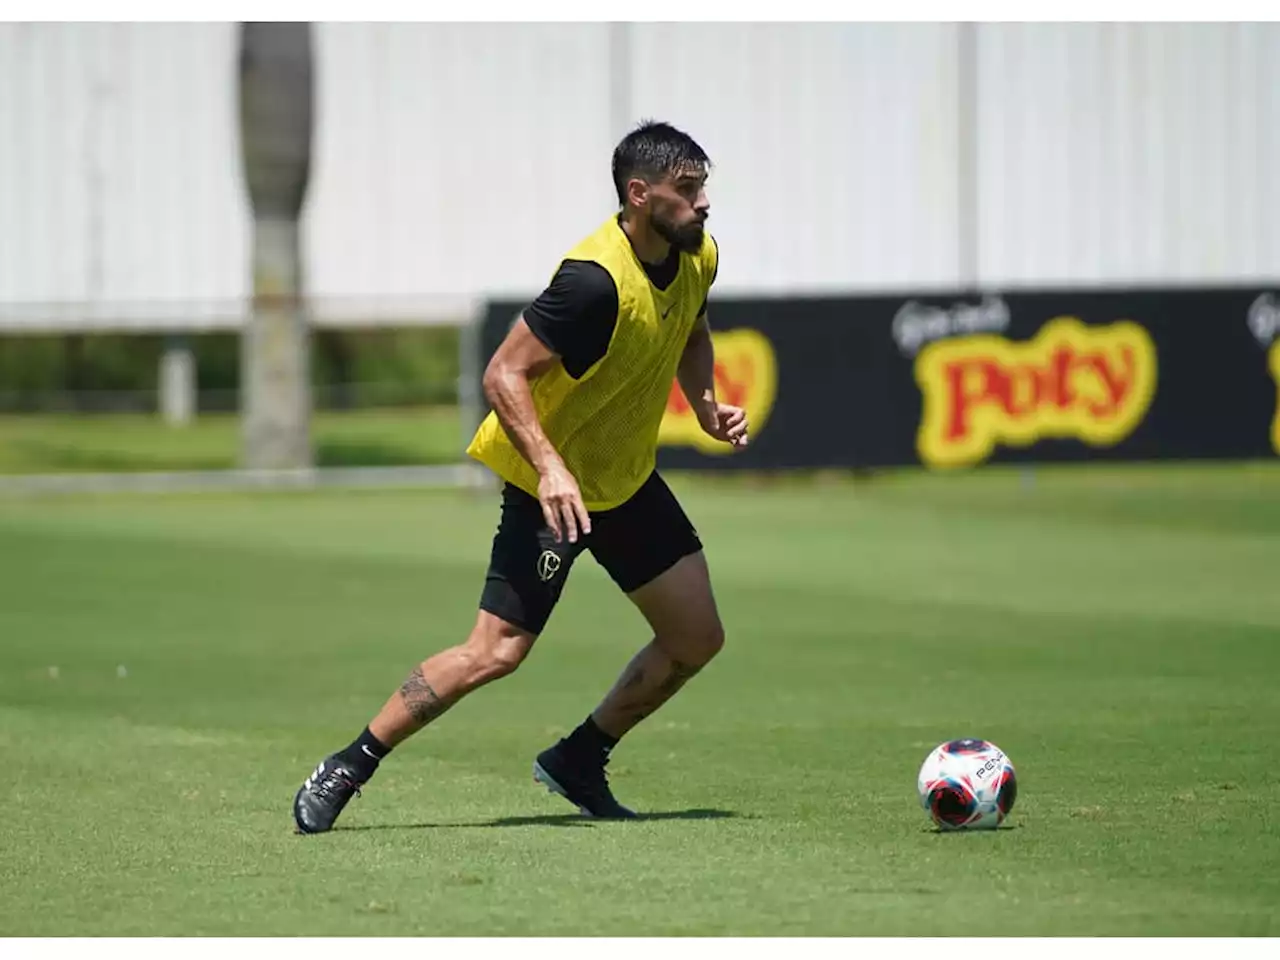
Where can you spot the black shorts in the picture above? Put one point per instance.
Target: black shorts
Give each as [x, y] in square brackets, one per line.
[634, 542]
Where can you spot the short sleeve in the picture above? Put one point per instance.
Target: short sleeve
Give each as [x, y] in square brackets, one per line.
[576, 314]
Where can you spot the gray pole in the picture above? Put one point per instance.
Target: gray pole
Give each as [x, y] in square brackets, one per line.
[275, 127]
[177, 380]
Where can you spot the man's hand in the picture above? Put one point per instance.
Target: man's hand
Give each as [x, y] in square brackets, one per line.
[562, 502]
[725, 422]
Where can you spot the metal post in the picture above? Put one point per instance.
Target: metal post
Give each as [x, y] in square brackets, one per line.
[472, 408]
[177, 381]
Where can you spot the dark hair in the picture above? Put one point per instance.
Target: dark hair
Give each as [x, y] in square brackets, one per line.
[653, 150]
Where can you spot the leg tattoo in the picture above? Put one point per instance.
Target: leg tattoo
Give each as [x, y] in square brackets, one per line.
[681, 673]
[637, 703]
[421, 701]
[633, 678]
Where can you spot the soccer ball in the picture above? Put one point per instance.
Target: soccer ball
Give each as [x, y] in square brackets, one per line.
[967, 785]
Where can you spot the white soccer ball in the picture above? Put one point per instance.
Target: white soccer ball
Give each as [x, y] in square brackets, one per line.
[967, 785]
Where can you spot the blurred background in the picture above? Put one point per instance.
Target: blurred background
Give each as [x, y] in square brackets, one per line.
[416, 182]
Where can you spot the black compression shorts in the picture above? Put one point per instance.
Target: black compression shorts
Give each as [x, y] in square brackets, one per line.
[634, 542]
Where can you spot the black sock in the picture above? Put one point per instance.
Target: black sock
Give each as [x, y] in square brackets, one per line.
[590, 740]
[364, 754]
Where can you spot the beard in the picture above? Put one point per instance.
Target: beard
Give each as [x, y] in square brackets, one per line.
[686, 239]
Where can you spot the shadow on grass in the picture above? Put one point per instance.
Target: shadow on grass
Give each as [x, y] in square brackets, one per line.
[939, 832]
[553, 820]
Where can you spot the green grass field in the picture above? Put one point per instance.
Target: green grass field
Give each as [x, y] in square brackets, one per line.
[134, 442]
[1116, 631]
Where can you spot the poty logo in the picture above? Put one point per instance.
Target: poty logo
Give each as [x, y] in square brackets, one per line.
[1094, 384]
[746, 375]
[1264, 323]
[1273, 357]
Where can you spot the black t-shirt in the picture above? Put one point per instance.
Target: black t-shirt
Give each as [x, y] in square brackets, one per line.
[575, 315]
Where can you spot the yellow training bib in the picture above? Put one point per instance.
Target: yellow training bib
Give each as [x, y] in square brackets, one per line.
[605, 425]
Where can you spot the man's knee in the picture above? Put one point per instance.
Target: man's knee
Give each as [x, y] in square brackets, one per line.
[711, 640]
[695, 644]
[681, 609]
[495, 649]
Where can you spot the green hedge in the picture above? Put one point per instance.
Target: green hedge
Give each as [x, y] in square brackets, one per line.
[349, 368]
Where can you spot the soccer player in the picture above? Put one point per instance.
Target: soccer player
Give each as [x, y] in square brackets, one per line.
[578, 390]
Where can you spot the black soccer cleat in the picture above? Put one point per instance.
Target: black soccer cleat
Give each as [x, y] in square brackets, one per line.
[581, 782]
[321, 798]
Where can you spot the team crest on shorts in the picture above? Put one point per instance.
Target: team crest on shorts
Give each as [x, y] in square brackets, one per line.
[548, 565]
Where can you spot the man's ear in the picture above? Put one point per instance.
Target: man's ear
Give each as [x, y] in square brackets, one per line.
[637, 192]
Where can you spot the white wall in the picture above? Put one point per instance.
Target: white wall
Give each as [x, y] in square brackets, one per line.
[835, 147]
[119, 172]
[1120, 153]
[454, 160]
[461, 158]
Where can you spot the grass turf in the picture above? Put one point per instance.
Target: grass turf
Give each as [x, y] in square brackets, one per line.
[1114, 629]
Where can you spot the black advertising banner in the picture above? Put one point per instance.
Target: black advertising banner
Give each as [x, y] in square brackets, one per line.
[960, 380]
[1052, 376]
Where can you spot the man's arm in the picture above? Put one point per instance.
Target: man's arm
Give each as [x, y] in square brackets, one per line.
[696, 375]
[571, 323]
[520, 359]
[696, 372]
